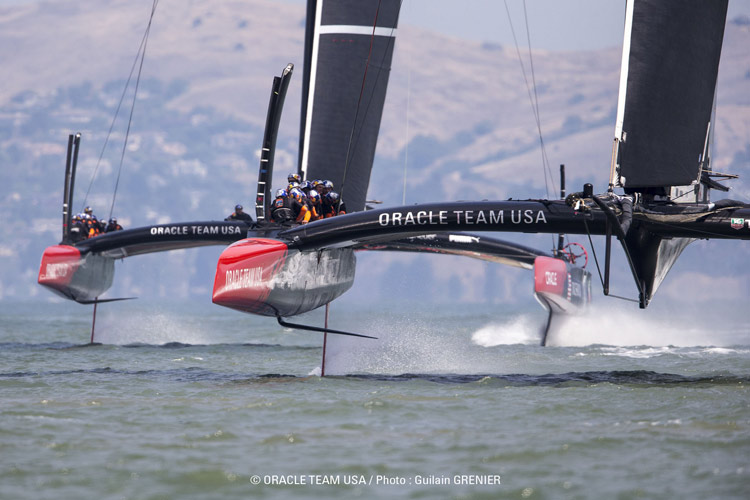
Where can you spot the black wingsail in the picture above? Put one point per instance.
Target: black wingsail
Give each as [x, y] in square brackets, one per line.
[670, 64]
[347, 63]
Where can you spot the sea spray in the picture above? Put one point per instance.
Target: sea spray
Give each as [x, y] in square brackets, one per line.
[408, 344]
[612, 323]
[515, 330]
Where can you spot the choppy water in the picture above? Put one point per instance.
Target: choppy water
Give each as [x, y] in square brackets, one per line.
[194, 401]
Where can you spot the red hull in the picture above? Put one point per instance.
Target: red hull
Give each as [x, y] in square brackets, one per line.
[67, 272]
[263, 276]
[561, 287]
[59, 264]
[244, 273]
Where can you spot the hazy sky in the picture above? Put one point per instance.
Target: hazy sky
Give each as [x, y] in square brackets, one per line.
[553, 24]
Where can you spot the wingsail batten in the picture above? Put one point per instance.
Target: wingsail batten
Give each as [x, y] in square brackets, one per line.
[672, 65]
[350, 40]
[356, 30]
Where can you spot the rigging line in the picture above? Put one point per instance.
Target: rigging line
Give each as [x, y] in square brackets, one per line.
[355, 141]
[534, 103]
[132, 107]
[359, 101]
[545, 159]
[686, 193]
[593, 250]
[537, 114]
[598, 270]
[623, 298]
[406, 147]
[114, 119]
[352, 140]
[408, 103]
[528, 89]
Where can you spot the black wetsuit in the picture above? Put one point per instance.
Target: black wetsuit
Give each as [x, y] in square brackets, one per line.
[78, 231]
[93, 228]
[331, 209]
[282, 211]
[240, 216]
[318, 208]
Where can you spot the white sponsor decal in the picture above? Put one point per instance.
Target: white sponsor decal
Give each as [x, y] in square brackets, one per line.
[422, 218]
[173, 230]
[54, 271]
[460, 238]
[475, 217]
[185, 230]
[248, 277]
[550, 277]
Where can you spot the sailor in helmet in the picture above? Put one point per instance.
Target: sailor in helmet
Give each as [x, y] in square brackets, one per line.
[299, 206]
[240, 215]
[314, 203]
[112, 226]
[93, 227]
[78, 229]
[281, 208]
[333, 205]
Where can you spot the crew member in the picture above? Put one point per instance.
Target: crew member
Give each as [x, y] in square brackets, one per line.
[112, 226]
[78, 230]
[239, 214]
[306, 188]
[90, 214]
[93, 226]
[333, 205]
[315, 205]
[281, 208]
[302, 214]
[294, 178]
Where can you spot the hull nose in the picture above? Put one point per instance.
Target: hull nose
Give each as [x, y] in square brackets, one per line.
[59, 264]
[245, 272]
[68, 273]
[563, 287]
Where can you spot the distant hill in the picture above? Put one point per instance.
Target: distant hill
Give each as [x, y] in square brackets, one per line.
[457, 124]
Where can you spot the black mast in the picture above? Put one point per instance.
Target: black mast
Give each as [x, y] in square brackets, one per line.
[306, 69]
[265, 172]
[561, 236]
[70, 177]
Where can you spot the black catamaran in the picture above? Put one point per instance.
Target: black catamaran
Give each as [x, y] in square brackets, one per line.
[661, 161]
